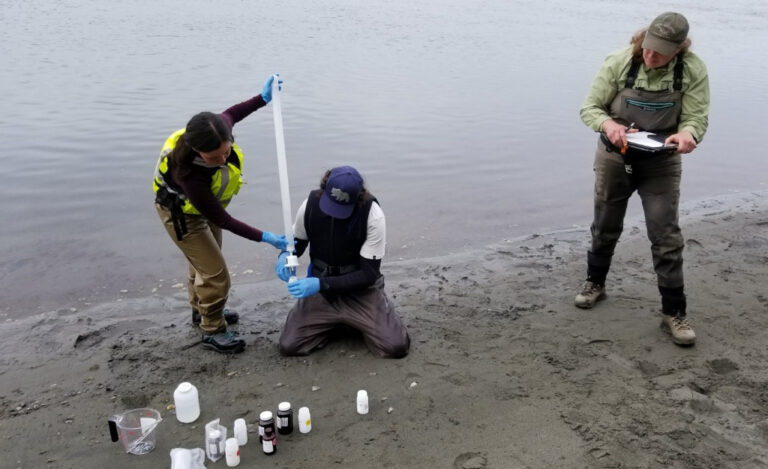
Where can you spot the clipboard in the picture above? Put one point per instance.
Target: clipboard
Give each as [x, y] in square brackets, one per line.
[649, 142]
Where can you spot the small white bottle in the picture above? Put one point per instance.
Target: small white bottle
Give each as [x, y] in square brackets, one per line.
[232, 451]
[305, 421]
[187, 403]
[241, 432]
[362, 402]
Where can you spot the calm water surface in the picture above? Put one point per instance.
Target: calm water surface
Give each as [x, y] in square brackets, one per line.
[463, 116]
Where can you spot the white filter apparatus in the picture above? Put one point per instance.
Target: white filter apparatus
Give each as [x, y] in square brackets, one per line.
[282, 168]
[215, 438]
[187, 403]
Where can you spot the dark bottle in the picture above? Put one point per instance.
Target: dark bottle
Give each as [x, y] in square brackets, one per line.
[284, 418]
[267, 433]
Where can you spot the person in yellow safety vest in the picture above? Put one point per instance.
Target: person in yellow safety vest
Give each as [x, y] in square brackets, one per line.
[197, 174]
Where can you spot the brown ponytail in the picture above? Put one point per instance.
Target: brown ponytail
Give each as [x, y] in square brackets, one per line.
[205, 132]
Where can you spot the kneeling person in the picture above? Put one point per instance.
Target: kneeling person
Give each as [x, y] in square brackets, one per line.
[345, 229]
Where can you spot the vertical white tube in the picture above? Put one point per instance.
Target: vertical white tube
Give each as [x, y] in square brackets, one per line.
[282, 169]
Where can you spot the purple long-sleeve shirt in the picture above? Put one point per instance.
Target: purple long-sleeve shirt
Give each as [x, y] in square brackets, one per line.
[197, 184]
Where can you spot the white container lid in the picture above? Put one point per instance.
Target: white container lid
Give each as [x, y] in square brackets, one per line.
[266, 415]
[214, 434]
[185, 387]
[284, 406]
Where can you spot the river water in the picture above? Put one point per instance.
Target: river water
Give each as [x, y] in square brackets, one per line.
[462, 115]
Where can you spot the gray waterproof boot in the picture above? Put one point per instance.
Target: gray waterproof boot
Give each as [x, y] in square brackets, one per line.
[590, 294]
[677, 326]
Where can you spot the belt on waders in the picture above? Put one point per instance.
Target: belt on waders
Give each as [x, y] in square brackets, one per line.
[323, 269]
[174, 203]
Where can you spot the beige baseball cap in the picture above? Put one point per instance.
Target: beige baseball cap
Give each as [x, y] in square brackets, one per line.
[666, 33]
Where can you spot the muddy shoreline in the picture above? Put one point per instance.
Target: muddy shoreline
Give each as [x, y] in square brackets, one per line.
[507, 372]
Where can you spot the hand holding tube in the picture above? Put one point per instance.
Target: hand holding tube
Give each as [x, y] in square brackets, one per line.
[279, 242]
[281, 269]
[304, 287]
[266, 91]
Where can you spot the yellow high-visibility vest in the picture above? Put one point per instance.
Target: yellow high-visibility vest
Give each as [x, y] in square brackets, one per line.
[226, 181]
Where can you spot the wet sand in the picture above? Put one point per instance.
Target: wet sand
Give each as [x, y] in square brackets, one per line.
[504, 371]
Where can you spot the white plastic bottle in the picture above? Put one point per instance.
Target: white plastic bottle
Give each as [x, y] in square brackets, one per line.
[232, 451]
[241, 432]
[186, 402]
[305, 421]
[362, 402]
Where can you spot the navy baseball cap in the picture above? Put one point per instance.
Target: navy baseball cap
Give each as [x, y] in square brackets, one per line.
[341, 192]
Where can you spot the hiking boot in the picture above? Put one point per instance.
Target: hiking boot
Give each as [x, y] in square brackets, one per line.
[225, 341]
[676, 325]
[590, 294]
[230, 316]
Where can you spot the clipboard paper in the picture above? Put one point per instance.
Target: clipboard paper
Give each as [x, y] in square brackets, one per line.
[648, 141]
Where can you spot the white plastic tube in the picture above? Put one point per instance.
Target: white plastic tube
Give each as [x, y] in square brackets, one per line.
[282, 168]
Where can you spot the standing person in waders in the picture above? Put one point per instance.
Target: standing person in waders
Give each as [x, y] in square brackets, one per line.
[658, 85]
[197, 174]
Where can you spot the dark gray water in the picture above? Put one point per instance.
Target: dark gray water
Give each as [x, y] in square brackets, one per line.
[463, 116]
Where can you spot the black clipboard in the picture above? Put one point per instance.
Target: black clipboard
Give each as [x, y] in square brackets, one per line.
[640, 148]
[650, 142]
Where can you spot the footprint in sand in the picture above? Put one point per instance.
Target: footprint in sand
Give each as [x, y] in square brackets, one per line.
[470, 461]
[722, 366]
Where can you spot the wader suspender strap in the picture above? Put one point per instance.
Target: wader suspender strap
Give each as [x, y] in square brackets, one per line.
[632, 74]
[677, 80]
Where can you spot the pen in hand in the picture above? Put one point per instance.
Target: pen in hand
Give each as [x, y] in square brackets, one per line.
[626, 145]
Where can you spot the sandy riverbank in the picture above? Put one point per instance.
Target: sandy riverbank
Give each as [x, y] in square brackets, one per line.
[508, 373]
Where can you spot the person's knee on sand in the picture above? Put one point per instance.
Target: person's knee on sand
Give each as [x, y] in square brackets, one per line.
[395, 350]
[345, 227]
[290, 349]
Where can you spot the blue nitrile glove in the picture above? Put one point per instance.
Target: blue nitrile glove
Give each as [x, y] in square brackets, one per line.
[283, 272]
[266, 92]
[279, 242]
[304, 287]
